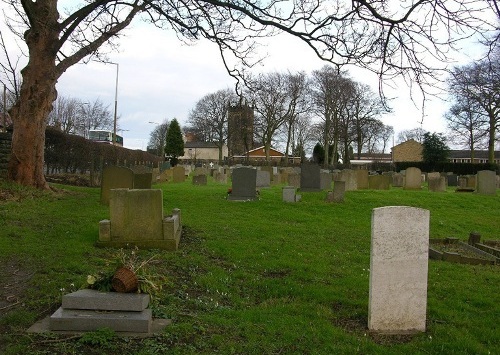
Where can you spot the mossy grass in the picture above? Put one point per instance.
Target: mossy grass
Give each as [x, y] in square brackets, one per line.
[257, 277]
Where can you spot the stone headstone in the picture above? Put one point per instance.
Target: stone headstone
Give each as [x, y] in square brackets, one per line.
[200, 171]
[325, 181]
[379, 182]
[471, 181]
[338, 193]
[362, 179]
[310, 177]
[199, 180]
[263, 178]
[289, 193]
[398, 180]
[143, 180]
[452, 180]
[351, 179]
[398, 269]
[293, 180]
[413, 180]
[220, 178]
[136, 214]
[462, 182]
[244, 183]
[270, 170]
[437, 184]
[115, 177]
[486, 182]
[178, 174]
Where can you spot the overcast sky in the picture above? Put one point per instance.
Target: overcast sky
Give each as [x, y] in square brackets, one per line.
[160, 78]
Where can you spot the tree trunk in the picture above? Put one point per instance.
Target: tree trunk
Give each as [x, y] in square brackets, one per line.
[35, 101]
[491, 140]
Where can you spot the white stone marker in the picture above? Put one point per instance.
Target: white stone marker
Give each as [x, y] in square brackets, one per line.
[398, 269]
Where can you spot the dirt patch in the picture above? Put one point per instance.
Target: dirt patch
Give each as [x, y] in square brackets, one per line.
[14, 279]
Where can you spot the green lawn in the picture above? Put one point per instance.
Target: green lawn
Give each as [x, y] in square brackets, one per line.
[260, 277]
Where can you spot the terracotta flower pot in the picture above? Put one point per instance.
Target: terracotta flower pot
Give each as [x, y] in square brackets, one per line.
[124, 280]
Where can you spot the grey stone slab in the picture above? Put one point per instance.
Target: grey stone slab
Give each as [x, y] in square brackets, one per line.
[115, 177]
[105, 301]
[157, 326]
[88, 320]
[244, 182]
[398, 269]
[310, 177]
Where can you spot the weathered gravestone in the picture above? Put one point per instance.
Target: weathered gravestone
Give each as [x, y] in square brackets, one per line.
[270, 170]
[351, 179]
[413, 179]
[263, 178]
[136, 219]
[310, 177]
[379, 182]
[293, 180]
[244, 183]
[452, 179]
[486, 182]
[362, 179]
[115, 177]
[178, 174]
[471, 181]
[325, 180]
[289, 194]
[398, 180]
[219, 177]
[398, 269]
[199, 180]
[437, 183]
[143, 180]
[462, 182]
[338, 193]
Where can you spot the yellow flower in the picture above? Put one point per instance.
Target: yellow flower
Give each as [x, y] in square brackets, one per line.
[91, 279]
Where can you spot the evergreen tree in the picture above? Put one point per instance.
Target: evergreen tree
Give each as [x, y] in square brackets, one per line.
[174, 146]
[435, 149]
[319, 154]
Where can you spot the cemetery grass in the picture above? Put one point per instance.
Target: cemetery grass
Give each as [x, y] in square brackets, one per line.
[257, 277]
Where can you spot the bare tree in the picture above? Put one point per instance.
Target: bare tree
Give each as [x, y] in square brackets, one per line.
[94, 115]
[157, 137]
[467, 126]
[385, 136]
[387, 38]
[416, 134]
[331, 92]
[478, 84]
[66, 114]
[298, 105]
[275, 97]
[209, 118]
[365, 107]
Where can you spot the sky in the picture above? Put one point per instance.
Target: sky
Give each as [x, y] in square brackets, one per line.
[161, 78]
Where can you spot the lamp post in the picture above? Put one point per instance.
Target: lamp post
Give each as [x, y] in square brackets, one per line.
[116, 103]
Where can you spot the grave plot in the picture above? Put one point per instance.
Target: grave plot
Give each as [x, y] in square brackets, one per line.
[454, 250]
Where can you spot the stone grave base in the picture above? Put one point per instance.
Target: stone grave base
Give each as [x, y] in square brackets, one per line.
[89, 310]
[454, 250]
[157, 326]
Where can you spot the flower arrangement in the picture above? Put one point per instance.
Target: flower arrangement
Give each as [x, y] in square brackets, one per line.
[128, 273]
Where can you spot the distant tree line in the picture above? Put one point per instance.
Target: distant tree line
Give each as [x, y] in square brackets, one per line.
[298, 111]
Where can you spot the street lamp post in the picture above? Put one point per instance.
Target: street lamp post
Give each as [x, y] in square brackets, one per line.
[116, 103]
